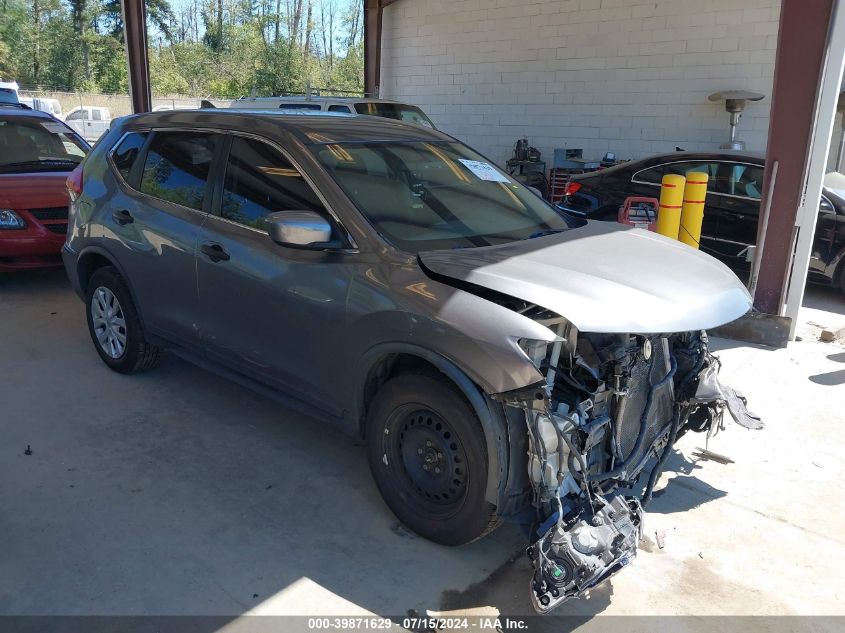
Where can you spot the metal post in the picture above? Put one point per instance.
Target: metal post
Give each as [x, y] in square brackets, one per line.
[372, 47]
[801, 52]
[822, 132]
[135, 35]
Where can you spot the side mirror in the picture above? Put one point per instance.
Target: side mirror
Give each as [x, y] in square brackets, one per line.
[298, 228]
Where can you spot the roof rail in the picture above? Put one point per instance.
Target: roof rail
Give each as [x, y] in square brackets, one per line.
[22, 106]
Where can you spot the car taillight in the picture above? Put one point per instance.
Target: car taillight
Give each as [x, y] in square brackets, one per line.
[572, 187]
[74, 183]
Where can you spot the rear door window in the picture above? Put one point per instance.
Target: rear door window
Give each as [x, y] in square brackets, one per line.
[177, 166]
[124, 155]
[339, 108]
[742, 180]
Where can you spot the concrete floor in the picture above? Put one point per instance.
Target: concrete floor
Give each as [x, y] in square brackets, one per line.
[176, 492]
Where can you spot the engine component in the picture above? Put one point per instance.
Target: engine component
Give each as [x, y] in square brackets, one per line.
[608, 404]
[576, 555]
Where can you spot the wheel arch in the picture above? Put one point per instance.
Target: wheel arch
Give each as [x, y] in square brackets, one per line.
[90, 259]
[385, 361]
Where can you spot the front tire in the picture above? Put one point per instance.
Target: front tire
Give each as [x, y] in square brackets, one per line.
[114, 325]
[428, 456]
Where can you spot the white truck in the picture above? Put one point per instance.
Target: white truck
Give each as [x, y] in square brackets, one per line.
[90, 122]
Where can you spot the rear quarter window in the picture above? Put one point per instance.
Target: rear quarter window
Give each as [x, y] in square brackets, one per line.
[126, 153]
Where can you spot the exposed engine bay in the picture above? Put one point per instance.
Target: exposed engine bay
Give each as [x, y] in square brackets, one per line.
[610, 404]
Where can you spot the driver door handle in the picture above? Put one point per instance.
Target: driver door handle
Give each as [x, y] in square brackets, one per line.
[215, 252]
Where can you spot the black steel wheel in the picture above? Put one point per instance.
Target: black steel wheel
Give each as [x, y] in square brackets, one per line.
[428, 457]
[431, 456]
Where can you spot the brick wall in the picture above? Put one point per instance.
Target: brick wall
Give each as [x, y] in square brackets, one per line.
[628, 76]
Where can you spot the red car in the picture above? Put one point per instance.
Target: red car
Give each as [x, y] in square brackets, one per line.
[37, 153]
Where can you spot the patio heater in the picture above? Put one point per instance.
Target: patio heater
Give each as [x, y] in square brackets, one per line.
[735, 102]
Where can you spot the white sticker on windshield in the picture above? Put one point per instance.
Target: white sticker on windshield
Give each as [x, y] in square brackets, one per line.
[54, 128]
[485, 171]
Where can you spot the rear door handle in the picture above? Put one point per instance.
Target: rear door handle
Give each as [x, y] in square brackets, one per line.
[122, 217]
[215, 252]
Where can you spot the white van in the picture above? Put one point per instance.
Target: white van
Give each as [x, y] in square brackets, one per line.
[349, 105]
[90, 122]
[51, 106]
[9, 92]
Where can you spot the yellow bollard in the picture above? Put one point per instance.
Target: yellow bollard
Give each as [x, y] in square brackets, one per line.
[692, 215]
[671, 202]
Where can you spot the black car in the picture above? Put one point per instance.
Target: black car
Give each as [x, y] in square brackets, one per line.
[732, 209]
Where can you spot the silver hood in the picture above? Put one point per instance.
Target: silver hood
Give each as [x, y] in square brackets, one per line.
[605, 277]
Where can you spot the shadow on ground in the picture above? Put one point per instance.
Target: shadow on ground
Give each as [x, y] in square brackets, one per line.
[825, 299]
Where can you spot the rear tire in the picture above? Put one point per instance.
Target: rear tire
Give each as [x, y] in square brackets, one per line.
[114, 325]
[428, 456]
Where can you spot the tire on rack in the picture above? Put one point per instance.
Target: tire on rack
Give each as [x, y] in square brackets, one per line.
[114, 325]
[428, 455]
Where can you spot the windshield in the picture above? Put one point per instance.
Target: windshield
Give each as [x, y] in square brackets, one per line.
[399, 111]
[431, 195]
[38, 145]
[8, 95]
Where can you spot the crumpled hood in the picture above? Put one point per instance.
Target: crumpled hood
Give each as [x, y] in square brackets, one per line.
[605, 277]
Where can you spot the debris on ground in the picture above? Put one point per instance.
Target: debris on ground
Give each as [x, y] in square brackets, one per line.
[660, 536]
[829, 336]
[823, 332]
[703, 453]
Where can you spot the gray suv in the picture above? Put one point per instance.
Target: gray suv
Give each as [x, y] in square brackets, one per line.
[498, 361]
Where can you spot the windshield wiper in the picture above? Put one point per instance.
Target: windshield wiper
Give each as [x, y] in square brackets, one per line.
[46, 165]
[42, 161]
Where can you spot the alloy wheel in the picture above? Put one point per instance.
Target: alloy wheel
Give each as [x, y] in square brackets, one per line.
[109, 322]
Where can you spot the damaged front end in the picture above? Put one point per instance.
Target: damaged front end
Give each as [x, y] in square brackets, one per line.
[609, 404]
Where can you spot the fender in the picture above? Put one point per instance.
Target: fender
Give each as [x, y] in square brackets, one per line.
[99, 250]
[489, 412]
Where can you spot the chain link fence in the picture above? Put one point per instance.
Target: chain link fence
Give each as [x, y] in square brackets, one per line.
[118, 104]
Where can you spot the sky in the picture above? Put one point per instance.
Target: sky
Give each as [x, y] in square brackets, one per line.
[341, 7]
